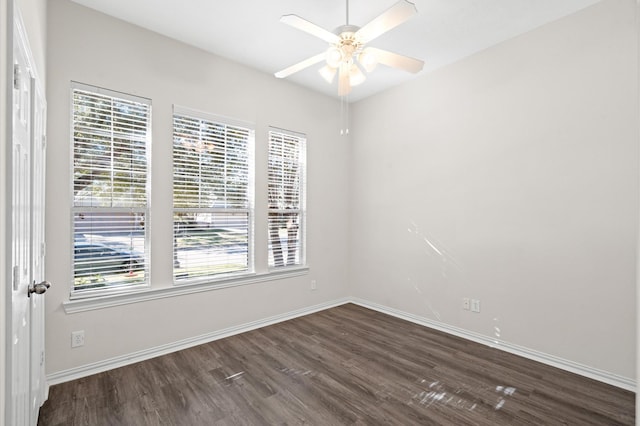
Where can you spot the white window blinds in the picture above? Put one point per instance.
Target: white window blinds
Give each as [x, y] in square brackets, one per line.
[111, 133]
[212, 196]
[287, 175]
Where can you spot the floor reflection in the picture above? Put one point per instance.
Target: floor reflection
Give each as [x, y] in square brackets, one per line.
[460, 398]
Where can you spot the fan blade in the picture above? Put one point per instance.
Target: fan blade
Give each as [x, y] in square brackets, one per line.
[344, 83]
[391, 18]
[310, 28]
[300, 65]
[394, 60]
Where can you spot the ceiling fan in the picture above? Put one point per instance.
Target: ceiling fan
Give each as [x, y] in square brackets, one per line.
[348, 50]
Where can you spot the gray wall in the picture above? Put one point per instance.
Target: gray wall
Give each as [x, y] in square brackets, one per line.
[34, 15]
[89, 47]
[510, 177]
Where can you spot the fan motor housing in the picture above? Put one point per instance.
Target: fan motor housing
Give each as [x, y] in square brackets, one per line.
[346, 29]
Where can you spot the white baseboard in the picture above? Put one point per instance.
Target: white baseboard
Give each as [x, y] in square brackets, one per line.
[554, 361]
[120, 361]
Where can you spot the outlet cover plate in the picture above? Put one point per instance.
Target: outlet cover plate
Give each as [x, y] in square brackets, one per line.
[466, 304]
[77, 339]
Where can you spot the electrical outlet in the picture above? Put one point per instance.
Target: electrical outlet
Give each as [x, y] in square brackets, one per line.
[77, 338]
[313, 285]
[475, 305]
[466, 304]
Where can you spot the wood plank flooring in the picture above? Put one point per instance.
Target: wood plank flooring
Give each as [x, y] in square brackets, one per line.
[345, 365]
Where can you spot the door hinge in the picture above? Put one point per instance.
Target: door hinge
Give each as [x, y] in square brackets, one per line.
[16, 76]
[41, 358]
[44, 141]
[16, 277]
[43, 249]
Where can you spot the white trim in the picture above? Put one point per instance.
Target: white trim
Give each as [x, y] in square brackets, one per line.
[111, 93]
[552, 360]
[302, 206]
[107, 301]
[79, 208]
[120, 361]
[291, 132]
[6, 126]
[216, 118]
[181, 159]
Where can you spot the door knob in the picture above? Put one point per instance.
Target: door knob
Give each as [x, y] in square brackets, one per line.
[38, 288]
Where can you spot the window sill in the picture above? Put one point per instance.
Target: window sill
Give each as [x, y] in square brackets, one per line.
[89, 304]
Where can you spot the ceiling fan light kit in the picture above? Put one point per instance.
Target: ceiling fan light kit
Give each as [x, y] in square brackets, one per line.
[328, 73]
[347, 51]
[368, 59]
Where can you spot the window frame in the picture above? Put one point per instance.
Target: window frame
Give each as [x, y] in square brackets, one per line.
[302, 201]
[258, 269]
[218, 279]
[145, 210]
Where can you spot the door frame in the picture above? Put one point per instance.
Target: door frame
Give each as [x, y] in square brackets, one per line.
[6, 61]
[15, 32]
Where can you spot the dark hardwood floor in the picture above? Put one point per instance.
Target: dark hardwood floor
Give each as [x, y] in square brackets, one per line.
[345, 365]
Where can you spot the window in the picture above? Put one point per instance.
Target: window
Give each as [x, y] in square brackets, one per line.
[212, 196]
[111, 136]
[287, 174]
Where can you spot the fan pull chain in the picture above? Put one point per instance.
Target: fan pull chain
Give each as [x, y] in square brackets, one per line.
[344, 115]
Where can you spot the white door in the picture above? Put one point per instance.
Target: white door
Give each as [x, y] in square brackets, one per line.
[27, 232]
[20, 228]
[39, 388]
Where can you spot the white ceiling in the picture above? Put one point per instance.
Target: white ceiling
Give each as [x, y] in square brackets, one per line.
[249, 31]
